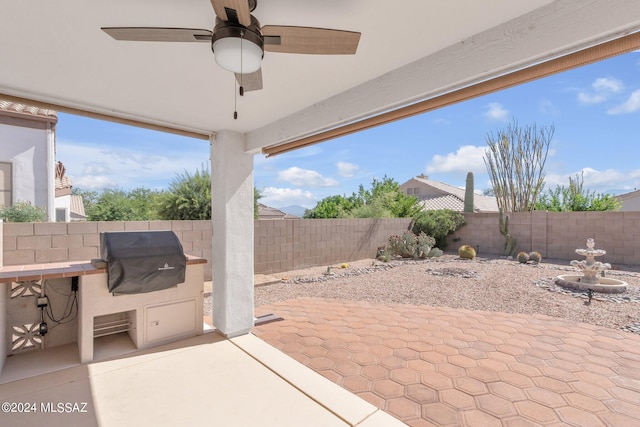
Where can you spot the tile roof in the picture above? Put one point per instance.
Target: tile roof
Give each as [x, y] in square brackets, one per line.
[629, 195]
[442, 202]
[481, 203]
[267, 212]
[28, 110]
[64, 182]
[77, 208]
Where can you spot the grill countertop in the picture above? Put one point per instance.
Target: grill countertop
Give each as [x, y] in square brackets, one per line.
[57, 270]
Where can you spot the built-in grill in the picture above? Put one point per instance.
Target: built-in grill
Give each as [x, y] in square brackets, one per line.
[142, 261]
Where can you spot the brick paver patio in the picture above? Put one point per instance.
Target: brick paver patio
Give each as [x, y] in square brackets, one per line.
[452, 367]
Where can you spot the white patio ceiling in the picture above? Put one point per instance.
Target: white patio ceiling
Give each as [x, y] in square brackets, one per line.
[54, 51]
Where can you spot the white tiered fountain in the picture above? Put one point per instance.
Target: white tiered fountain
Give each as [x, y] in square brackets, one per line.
[590, 280]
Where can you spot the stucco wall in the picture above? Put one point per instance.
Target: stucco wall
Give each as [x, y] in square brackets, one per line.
[26, 149]
[631, 204]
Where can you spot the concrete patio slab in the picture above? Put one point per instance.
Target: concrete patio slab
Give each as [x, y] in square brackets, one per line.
[206, 380]
[445, 366]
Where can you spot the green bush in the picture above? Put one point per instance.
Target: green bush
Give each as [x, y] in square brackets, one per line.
[438, 223]
[188, 197]
[23, 212]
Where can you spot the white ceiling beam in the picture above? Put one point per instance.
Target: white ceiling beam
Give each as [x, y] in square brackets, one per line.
[557, 29]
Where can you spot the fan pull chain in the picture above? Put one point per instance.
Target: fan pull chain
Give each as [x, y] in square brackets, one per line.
[241, 91]
[241, 86]
[235, 101]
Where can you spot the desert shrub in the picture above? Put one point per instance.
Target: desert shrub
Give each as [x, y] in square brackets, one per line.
[522, 257]
[438, 224]
[23, 212]
[434, 253]
[410, 245]
[466, 252]
[535, 257]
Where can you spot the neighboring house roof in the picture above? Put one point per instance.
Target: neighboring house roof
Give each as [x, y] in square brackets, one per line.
[76, 210]
[438, 195]
[62, 182]
[630, 201]
[267, 212]
[17, 109]
[442, 202]
[630, 195]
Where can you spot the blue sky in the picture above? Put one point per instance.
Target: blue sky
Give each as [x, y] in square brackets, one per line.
[595, 111]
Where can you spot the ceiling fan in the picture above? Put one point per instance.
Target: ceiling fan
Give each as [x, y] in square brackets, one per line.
[238, 41]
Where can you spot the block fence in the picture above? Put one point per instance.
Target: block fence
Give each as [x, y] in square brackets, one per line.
[279, 245]
[556, 234]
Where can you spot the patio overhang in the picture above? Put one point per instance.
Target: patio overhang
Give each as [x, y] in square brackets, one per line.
[415, 58]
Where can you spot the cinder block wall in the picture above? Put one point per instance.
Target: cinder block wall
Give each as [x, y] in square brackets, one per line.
[44, 242]
[556, 234]
[280, 245]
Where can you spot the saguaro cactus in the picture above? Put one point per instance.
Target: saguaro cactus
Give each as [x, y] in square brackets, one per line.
[468, 193]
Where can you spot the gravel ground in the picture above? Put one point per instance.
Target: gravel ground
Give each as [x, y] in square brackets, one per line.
[491, 284]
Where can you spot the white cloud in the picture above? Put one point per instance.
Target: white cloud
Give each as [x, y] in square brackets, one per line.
[602, 89]
[599, 181]
[92, 165]
[495, 111]
[629, 106]
[604, 84]
[305, 178]
[347, 169]
[590, 98]
[466, 158]
[441, 121]
[546, 106]
[280, 197]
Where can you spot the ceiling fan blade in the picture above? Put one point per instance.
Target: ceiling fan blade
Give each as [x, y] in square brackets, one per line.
[233, 10]
[251, 81]
[158, 34]
[324, 41]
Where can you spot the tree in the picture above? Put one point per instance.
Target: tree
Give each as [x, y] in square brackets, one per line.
[188, 197]
[515, 162]
[332, 207]
[115, 204]
[257, 195]
[574, 197]
[383, 200]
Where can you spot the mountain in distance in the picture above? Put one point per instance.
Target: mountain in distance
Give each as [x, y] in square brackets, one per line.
[296, 210]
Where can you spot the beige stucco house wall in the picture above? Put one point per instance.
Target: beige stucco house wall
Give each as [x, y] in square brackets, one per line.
[27, 155]
[630, 201]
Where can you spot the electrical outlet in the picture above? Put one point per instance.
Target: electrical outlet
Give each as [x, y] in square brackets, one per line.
[43, 302]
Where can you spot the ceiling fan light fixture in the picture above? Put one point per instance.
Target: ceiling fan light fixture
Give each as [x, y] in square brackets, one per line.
[237, 48]
[237, 55]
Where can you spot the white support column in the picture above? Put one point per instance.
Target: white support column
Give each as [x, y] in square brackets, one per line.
[51, 172]
[232, 248]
